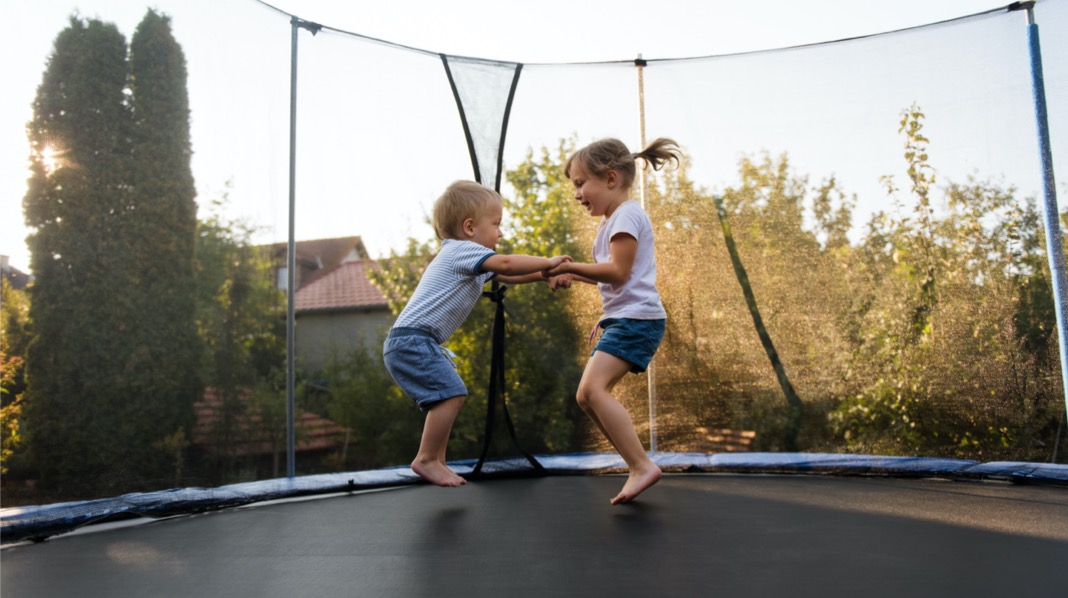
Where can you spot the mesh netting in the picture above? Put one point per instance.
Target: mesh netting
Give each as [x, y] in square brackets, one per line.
[882, 197]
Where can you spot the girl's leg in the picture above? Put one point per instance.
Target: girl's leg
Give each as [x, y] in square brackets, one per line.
[602, 373]
[430, 462]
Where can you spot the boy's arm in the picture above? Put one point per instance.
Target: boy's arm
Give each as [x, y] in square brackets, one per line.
[519, 266]
[557, 282]
[621, 249]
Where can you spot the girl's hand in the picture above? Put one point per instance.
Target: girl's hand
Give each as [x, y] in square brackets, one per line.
[556, 270]
[557, 260]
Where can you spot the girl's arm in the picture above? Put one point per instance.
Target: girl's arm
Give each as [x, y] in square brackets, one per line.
[621, 249]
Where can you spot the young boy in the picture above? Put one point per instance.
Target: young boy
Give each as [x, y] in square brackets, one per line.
[467, 219]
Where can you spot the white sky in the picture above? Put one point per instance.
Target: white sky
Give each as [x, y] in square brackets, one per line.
[238, 58]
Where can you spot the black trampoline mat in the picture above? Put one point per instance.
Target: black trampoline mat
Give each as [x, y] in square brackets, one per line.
[690, 535]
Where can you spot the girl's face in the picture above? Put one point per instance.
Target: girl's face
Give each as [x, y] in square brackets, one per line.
[486, 228]
[600, 196]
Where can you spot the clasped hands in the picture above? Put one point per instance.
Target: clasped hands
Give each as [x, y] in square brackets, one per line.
[553, 277]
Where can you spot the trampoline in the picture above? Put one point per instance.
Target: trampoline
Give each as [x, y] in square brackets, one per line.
[753, 534]
[749, 524]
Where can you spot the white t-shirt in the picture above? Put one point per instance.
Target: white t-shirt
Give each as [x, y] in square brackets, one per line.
[448, 291]
[636, 298]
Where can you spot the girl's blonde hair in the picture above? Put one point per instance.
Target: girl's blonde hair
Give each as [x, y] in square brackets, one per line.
[601, 157]
[462, 200]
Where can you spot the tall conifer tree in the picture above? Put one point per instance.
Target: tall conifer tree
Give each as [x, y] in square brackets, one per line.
[162, 229]
[74, 201]
[110, 201]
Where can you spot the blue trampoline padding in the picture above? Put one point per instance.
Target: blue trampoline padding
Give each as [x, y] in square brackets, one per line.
[39, 522]
[836, 463]
[1022, 471]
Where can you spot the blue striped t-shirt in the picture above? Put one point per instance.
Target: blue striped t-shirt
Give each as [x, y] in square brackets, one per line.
[448, 291]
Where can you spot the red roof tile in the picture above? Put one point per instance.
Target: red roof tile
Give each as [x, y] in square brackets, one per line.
[345, 287]
[314, 433]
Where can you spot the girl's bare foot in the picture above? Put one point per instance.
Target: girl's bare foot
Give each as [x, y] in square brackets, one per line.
[437, 473]
[637, 481]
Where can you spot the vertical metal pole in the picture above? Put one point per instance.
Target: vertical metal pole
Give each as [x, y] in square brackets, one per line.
[640, 64]
[650, 374]
[291, 259]
[1054, 246]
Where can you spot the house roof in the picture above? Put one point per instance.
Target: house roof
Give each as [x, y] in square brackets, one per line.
[316, 257]
[346, 287]
[314, 433]
[327, 253]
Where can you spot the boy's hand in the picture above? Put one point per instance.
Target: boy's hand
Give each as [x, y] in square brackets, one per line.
[560, 282]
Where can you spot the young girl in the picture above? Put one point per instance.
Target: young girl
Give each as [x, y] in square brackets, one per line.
[467, 219]
[625, 272]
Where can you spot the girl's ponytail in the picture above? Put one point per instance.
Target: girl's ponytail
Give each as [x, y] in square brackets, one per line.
[659, 152]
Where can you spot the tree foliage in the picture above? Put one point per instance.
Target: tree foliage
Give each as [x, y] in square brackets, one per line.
[14, 336]
[162, 235]
[955, 332]
[240, 319]
[713, 371]
[384, 426]
[111, 205]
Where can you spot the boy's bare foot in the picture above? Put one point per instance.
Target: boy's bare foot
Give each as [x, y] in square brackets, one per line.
[637, 481]
[437, 473]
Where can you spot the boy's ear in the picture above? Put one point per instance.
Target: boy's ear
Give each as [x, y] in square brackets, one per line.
[468, 227]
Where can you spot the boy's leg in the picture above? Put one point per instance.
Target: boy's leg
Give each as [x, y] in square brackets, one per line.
[602, 373]
[430, 462]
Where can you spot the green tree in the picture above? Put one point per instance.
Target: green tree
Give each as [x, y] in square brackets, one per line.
[384, 426]
[961, 367]
[712, 361]
[241, 323]
[14, 335]
[160, 230]
[110, 203]
[77, 197]
[266, 410]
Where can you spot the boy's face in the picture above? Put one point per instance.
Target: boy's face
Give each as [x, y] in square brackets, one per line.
[486, 228]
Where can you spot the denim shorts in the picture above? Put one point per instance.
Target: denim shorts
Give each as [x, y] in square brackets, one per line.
[633, 341]
[421, 367]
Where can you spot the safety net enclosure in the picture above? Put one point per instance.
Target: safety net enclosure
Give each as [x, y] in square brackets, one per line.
[852, 257]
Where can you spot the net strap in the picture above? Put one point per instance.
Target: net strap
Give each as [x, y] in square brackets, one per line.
[496, 385]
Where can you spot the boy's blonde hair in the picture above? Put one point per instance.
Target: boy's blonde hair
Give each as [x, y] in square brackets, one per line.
[462, 200]
[600, 157]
